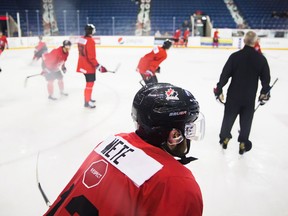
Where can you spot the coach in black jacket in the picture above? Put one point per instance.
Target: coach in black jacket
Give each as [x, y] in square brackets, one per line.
[245, 67]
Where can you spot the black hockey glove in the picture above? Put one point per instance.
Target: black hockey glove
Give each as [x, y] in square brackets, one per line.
[64, 69]
[263, 98]
[148, 73]
[158, 70]
[219, 95]
[217, 92]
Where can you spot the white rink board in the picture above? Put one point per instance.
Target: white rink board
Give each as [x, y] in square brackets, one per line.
[131, 41]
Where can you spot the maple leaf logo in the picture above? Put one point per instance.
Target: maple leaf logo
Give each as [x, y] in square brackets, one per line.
[171, 94]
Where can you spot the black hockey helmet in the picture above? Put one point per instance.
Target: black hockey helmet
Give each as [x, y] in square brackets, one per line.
[90, 29]
[167, 44]
[161, 108]
[67, 43]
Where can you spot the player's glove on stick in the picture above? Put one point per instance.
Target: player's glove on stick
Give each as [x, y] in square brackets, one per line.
[218, 94]
[263, 98]
[148, 73]
[102, 69]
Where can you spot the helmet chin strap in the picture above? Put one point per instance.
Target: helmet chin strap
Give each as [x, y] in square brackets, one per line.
[185, 160]
[178, 146]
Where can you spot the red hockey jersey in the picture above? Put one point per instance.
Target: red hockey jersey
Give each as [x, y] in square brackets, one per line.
[87, 62]
[186, 34]
[126, 176]
[41, 46]
[177, 34]
[152, 60]
[55, 59]
[3, 42]
[216, 35]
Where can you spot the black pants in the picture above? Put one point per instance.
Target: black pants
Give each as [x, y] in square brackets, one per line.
[90, 77]
[39, 53]
[232, 110]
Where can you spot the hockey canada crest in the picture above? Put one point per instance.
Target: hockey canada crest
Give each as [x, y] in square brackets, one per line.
[171, 94]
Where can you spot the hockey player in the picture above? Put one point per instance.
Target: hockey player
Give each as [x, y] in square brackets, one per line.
[215, 39]
[186, 35]
[40, 49]
[52, 65]
[87, 63]
[3, 44]
[257, 46]
[132, 174]
[245, 67]
[148, 65]
[177, 37]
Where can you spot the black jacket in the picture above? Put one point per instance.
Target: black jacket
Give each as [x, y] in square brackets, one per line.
[245, 67]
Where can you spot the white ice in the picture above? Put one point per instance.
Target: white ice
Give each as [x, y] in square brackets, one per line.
[63, 132]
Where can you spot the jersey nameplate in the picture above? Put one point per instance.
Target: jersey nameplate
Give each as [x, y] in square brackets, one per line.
[130, 160]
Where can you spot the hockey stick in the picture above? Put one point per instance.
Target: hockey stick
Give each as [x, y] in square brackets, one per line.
[26, 79]
[39, 185]
[141, 83]
[116, 69]
[266, 94]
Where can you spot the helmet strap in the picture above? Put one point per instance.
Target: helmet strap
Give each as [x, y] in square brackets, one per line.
[183, 159]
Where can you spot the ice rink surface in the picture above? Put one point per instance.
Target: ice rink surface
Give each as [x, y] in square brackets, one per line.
[63, 132]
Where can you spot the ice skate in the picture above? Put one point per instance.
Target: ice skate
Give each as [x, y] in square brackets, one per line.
[90, 105]
[52, 98]
[64, 94]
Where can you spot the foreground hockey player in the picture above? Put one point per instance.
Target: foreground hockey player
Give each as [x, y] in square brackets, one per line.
[148, 65]
[133, 174]
[3, 44]
[52, 65]
[245, 68]
[87, 63]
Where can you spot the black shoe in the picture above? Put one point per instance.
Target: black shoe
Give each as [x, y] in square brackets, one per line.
[89, 105]
[93, 101]
[224, 142]
[241, 148]
[52, 98]
[0, 69]
[245, 147]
